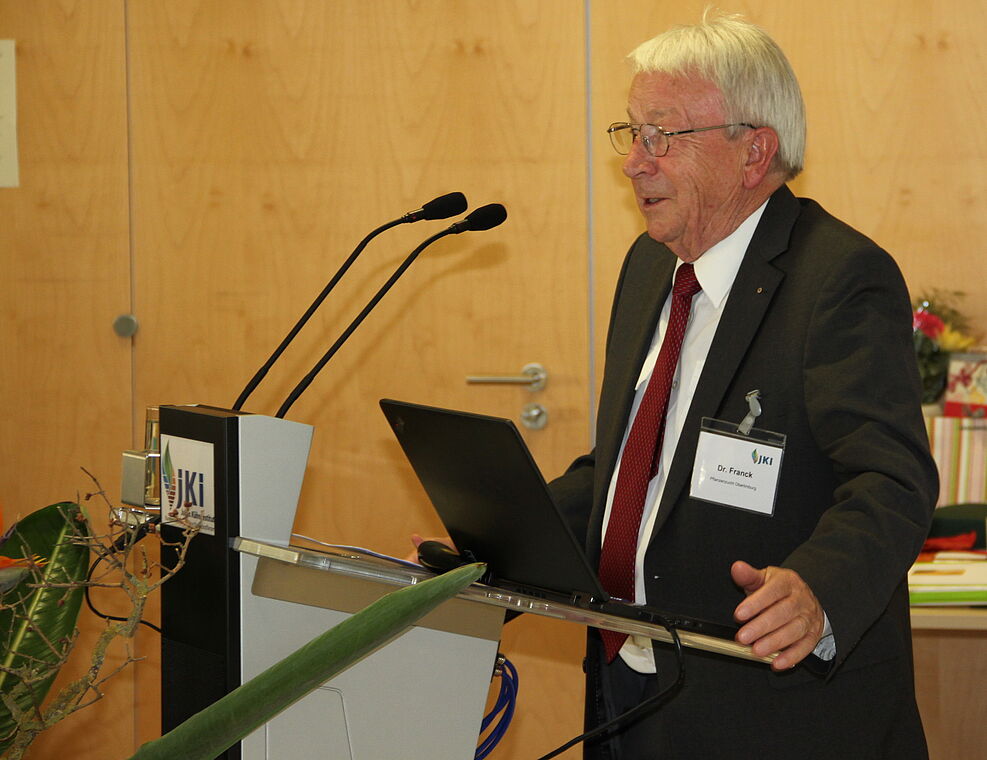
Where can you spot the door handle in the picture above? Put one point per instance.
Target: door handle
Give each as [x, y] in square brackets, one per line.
[533, 375]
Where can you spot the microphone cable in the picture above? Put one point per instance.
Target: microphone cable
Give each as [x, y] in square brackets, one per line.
[639, 711]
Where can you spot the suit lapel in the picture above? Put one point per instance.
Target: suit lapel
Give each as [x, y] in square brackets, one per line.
[752, 292]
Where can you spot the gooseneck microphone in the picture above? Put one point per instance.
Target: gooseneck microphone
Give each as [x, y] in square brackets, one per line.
[439, 208]
[484, 218]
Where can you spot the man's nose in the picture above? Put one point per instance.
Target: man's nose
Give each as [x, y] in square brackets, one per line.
[638, 161]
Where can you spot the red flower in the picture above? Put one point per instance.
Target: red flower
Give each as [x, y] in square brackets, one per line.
[928, 323]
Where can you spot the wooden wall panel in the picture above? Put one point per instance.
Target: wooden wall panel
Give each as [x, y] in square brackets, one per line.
[268, 141]
[269, 137]
[65, 383]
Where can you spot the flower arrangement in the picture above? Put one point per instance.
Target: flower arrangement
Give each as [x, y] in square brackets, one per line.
[938, 330]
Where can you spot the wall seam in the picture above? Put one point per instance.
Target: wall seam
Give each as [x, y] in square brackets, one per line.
[590, 226]
[136, 419]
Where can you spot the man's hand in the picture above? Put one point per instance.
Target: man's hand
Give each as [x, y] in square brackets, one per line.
[780, 614]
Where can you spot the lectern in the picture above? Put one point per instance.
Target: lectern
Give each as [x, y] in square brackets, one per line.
[231, 473]
[246, 598]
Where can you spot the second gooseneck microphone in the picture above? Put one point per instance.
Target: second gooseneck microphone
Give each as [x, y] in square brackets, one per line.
[439, 208]
[484, 218]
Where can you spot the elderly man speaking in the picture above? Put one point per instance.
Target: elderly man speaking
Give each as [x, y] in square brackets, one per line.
[745, 303]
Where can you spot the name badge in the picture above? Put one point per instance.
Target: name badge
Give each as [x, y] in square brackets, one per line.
[737, 469]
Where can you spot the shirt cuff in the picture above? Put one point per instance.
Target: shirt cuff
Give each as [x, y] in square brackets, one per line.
[826, 648]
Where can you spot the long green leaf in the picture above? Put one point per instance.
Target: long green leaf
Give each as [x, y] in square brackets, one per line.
[247, 708]
[37, 621]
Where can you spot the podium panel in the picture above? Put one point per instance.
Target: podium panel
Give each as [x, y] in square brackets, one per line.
[225, 472]
[420, 696]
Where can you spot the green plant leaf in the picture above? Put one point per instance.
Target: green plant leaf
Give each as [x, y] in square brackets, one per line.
[247, 708]
[37, 623]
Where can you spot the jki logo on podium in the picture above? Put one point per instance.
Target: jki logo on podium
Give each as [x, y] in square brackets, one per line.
[187, 486]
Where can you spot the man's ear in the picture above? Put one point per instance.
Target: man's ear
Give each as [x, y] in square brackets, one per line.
[761, 149]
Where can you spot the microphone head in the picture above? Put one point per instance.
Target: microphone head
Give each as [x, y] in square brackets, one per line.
[483, 218]
[444, 206]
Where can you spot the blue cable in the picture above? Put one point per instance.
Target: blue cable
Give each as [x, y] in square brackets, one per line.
[506, 702]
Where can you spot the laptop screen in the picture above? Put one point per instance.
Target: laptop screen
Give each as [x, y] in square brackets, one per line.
[492, 498]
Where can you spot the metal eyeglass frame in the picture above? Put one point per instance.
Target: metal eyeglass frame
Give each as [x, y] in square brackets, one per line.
[618, 126]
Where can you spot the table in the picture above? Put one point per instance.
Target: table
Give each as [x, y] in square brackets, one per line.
[950, 649]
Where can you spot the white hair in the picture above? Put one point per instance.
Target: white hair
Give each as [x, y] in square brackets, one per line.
[751, 72]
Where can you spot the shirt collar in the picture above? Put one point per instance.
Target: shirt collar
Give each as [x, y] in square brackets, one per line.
[717, 268]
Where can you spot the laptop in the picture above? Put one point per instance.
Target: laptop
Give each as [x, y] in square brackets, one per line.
[492, 499]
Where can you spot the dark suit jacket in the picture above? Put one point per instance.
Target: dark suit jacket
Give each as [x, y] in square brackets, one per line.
[819, 321]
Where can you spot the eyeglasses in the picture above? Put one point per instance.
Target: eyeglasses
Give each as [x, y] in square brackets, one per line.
[655, 139]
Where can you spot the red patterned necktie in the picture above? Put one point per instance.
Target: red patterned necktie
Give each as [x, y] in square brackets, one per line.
[640, 458]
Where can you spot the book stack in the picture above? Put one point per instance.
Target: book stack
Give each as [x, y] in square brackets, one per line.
[949, 578]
